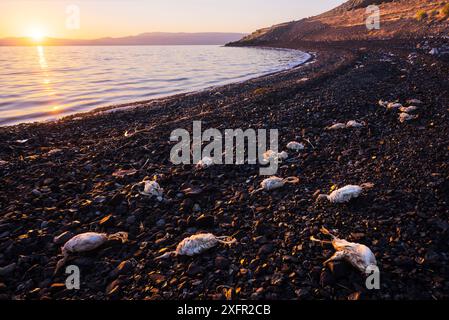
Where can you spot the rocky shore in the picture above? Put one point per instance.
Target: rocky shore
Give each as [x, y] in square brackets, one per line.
[57, 180]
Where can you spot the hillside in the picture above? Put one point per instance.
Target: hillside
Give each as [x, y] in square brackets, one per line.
[399, 19]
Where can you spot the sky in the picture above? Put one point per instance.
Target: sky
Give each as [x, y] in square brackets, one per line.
[88, 19]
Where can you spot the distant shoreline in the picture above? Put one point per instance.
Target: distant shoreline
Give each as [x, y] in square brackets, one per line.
[144, 39]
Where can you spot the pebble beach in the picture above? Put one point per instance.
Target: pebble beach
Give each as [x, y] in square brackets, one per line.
[60, 179]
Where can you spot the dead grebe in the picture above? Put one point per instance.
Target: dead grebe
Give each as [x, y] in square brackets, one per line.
[358, 255]
[197, 244]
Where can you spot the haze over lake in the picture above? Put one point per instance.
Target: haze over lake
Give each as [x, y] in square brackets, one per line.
[45, 83]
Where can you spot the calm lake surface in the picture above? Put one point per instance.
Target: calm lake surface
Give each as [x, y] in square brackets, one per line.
[46, 83]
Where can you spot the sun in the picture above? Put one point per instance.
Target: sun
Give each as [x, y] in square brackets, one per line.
[37, 35]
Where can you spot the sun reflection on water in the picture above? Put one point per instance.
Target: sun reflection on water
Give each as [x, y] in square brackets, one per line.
[47, 87]
[42, 59]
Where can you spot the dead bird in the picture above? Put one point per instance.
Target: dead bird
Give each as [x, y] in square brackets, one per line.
[197, 244]
[295, 146]
[54, 152]
[274, 183]
[273, 155]
[414, 101]
[85, 242]
[404, 117]
[336, 126]
[355, 124]
[394, 105]
[408, 109]
[348, 125]
[358, 255]
[204, 163]
[345, 194]
[151, 189]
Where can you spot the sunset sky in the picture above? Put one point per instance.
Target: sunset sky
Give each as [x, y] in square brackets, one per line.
[102, 18]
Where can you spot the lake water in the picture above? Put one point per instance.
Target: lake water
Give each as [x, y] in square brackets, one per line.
[46, 83]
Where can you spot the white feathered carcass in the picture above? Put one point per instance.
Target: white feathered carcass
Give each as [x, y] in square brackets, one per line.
[348, 125]
[358, 255]
[354, 124]
[345, 194]
[404, 117]
[336, 126]
[295, 146]
[394, 105]
[88, 241]
[197, 244]
[204, 163]
[273, 155]
[408, 109]
[151, 189]
[274, 183]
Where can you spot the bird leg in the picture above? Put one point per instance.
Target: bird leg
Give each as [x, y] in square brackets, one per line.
[166, 255]
[338, 256]
[226, 240]
[61, 263]
[327, 232]
[312, 238]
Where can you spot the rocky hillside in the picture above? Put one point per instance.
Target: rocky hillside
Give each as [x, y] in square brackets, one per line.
[401, 19]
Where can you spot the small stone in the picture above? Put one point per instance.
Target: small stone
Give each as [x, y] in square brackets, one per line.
[266, 249]
[36, 192]
[221, 262]
[205, 221]
[262, 229]
[193, 269]
[124, 267]
[7, 270]
[113, 287]
[48, 181]
[131, 220]
[157, 278]
[63, 238]
[160, 223]
[107, 221]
